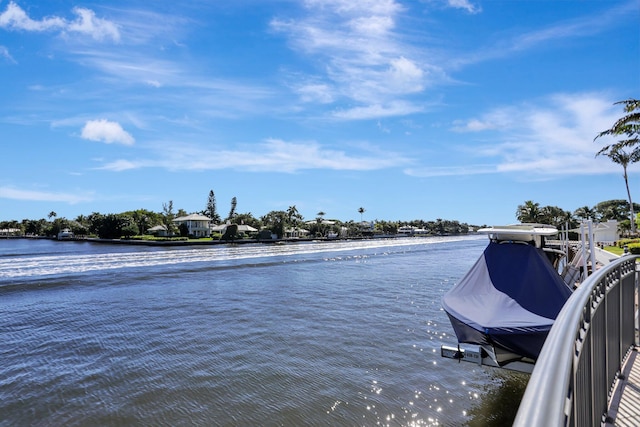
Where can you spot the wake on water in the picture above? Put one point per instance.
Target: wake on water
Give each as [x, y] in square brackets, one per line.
[48, 265]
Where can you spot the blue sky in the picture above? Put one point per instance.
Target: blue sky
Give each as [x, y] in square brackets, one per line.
[457, 109]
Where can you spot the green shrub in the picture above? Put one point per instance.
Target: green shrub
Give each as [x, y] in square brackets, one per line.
[623, 242]
[634, 248]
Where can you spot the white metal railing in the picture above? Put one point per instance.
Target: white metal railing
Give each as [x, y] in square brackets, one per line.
[573, 377]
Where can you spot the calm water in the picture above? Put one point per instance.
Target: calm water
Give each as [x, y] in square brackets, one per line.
[312, 334]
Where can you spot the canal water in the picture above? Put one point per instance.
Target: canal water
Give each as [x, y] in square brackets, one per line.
[304, 334]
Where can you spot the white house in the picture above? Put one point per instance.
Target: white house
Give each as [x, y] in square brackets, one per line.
[294, 233]
[158, 230]
[6, 232]
[198, 225]
[606, 232]
[408, 230]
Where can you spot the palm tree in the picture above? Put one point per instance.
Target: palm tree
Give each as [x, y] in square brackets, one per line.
[232, 211]
[292, 213]
[618, 155]
[628, 125]
[529, 212]
[585, 212]
[52, 214]
[555, 216]
[293, 216]
[361, 211]
[319, 219]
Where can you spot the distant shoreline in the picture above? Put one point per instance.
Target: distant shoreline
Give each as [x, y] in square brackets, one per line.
[137, 242]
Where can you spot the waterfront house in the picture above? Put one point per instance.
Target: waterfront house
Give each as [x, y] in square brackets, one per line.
[409, 230]
[158, 230]
[198, 225]
[10, 232]
[295, 233]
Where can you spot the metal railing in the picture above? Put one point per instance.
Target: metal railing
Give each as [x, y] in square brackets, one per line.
[573, 377]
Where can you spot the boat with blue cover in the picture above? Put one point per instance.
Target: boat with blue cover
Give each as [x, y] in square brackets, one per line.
[508, 301]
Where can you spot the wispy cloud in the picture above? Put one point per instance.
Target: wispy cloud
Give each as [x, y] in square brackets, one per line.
[14, 193]
[169, 81]
[466, 5]
[139, 27]
[363, 57]
[106, 131]
[393, 108]
[586, 26]
[439, 171]
[130, 68]
[4, 53]
[86, 23]
[123, 165]
[551, 137]
[272, 155]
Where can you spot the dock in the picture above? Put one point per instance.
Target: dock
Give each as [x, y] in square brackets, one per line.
[624, 407]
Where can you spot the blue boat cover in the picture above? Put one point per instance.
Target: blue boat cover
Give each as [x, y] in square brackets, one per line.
[509, 298]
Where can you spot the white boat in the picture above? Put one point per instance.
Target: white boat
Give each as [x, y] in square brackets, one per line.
[65, 234]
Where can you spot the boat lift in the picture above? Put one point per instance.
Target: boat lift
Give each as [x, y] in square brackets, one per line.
[481, 357]
[575, 270]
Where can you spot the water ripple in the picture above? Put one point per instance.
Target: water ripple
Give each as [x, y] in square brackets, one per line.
[309, 334]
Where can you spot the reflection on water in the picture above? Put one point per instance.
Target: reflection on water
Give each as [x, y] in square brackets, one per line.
[499, 405]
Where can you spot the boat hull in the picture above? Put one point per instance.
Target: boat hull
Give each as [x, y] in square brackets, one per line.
[505, 345]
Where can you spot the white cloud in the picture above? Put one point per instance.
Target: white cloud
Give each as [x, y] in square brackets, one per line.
[4, 53]
[350, 7]
[372, 25]
[498, 118]
[466, 5]
[15, 18]
[276, 154]
[397, 108]
[273, 155]
[43, 196]
[553, 136]
[437, 171]
[382, 128]
[405, 76]
[121, 165]
[563, 30]
[88, 23]
[105, 131]
[322, 93]
[360, 54]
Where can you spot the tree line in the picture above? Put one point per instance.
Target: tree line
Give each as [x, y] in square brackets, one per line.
[532, 212]
[137, 222]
